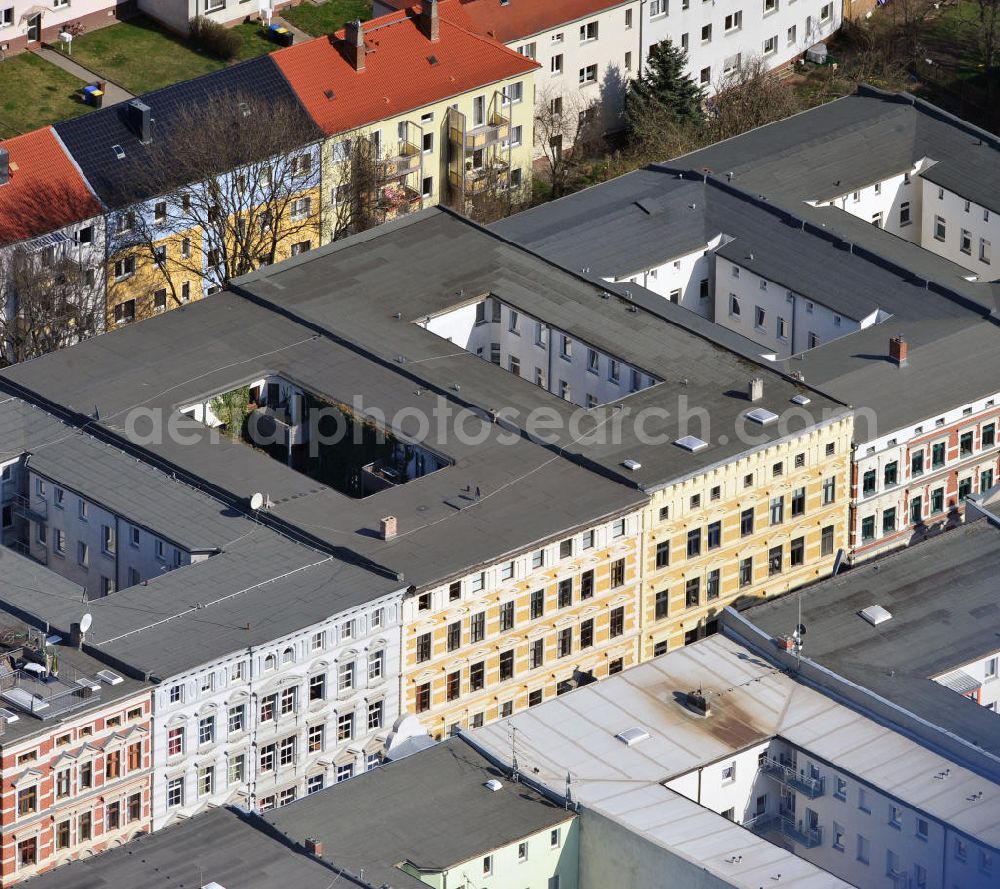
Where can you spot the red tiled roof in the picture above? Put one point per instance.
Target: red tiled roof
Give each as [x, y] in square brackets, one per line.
[46, 192]
[399, 74]
[517, 18]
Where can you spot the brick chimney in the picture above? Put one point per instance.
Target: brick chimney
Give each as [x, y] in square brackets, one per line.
[354, 43]
[76, 635]
[314, 847]
[430, 23]
[897, 350]
[755, 389]
[388, 529]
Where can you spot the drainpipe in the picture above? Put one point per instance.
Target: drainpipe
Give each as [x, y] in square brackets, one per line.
[642, 16]
[254, 717]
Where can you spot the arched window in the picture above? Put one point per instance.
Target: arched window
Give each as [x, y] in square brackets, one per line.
[270, 662]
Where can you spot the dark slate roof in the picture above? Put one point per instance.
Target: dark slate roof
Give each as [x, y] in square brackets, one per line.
[219, 846]
[431, 809]
[91, 139]
[945, 613]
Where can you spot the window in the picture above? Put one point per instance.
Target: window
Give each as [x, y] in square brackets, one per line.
[564, 642]
[537, 603]
[940, 228]
[777, 510]
[797, 552]
[829, 490]
[423, 698]
[237, 718]
[775, 559]
[175, 792]
[746, 522]
[771, 47]
[477, 627]
[791, 35]
[826, 13]
[734, 21]
[770, 6]
[565, 593]
[345, 681]
[937, 455]
[506, 616]
[587, 633]
[706, 34]
[617, 573]
[617, 622]
[692, 592]
[536, 653]
[706, 74]
[618, 528]
[746, 571]
[477, 676]
[27, 801]
[984, 251]
[937, 501]
[694, 543]
[657, 7]
[27, 852]
[588, 31]
[556, 64]
[206, 730]
[423, 647]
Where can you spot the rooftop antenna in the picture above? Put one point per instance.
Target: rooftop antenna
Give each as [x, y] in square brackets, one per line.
[569, 791]
[800, 631]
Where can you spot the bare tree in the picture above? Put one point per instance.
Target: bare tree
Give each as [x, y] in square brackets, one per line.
[357, 174]
[568, 131]
[236, 184]
[989, 32]
[749, 96]
[48, 302]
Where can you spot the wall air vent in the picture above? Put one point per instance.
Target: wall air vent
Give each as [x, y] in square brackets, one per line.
[762, 415]
[691, 443]
[632, 736]
[875, 615]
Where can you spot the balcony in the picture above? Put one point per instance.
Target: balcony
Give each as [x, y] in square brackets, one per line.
[398, 199]
[481, 179]
[496, 129]
[33, 512]
[811, 788]
[807, 837]
[404, 162]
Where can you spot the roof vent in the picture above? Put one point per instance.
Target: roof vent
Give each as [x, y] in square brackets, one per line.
[875, 615]
[119, 152]
[140, 120]
[755, 389]
[433, 60]
[698, 702]
[632, 736]
[632, 465]
[110, 678]
[801, 399]
[244, 109]
[691, 443]
[762, 415]
[4, 166]
[493, 785]
[330, 94]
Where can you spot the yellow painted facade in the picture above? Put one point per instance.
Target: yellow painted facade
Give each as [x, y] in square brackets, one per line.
[488, 644]
[512, 617]
[420, 142]
[798, 493]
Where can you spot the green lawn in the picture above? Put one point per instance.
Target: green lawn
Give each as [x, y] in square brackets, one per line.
[326, 17]
[34, 93]
[141, 56]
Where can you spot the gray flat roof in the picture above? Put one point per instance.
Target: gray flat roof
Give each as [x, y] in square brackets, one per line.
[752, 701]
[942, 595]
[430, 809]
[217, 846]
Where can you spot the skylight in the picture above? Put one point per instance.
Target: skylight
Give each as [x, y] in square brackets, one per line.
[875, 615]
[632, 736]
[691, 443]
[801, 399]
[762, 415]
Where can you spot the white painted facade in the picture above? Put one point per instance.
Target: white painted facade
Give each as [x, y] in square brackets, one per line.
[838, 822]
[686, 280]
[941, 221]
[784, 322]
[89, 545]
[270, 724]
[985, 672]
[531, 348]
[911, 480]
[587, 60]
[718, 37]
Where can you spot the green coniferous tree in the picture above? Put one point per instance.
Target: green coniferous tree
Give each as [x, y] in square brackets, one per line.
[663, 87]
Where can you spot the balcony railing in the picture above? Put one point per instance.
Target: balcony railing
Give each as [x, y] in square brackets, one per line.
[35, 512]
[404, 162]
[808, 787]
[481, 179]
[496, 129]
[808, 837]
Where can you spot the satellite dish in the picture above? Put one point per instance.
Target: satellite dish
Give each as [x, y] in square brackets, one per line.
[801, 629]
[257, 501]
[85, 623]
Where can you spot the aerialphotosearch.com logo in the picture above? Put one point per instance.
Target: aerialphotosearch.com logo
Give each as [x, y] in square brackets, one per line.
[443, 423]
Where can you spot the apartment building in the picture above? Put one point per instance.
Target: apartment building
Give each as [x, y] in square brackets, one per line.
[748, 790]
[446, 114]
[76, 748]
[25, 26]
[52, 225]
[754, 255]
[911, 655]
[718, 40]
[587, 51]
[162, 252]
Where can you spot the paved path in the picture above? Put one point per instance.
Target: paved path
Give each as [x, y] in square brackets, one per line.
[113, 94]
[300, 35]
